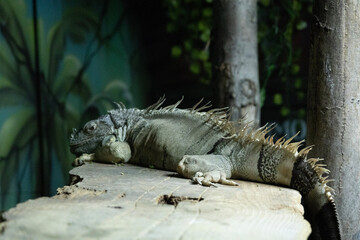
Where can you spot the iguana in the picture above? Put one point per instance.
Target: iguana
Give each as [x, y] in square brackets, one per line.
[208, 148]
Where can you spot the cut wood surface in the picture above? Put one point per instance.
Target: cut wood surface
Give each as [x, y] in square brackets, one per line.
[131, 202]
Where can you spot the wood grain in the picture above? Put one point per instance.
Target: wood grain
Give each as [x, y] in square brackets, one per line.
[131, 202]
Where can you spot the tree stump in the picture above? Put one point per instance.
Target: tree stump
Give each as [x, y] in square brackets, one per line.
[131, 202]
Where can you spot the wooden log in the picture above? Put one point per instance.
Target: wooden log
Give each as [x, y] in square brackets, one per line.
[131, 202]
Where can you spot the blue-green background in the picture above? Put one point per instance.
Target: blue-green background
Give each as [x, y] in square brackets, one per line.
[130, 51]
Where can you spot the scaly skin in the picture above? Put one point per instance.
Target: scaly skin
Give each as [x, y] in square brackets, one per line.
[208, 148]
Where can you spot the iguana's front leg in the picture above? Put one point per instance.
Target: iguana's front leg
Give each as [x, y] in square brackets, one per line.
[206, 169]
[111, 151]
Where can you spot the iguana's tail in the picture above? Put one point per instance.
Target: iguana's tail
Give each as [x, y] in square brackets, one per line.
[281, 163]
[308, 178]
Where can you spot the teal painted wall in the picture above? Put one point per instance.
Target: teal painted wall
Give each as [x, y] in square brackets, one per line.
[88, 56]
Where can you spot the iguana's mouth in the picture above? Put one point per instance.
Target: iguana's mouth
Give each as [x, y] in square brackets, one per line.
[75, 148]
[83, 142]
[80, 145]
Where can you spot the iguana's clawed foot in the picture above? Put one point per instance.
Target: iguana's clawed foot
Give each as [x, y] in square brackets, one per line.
[203, 180]
[209, 178]
[204, 170]
[83, 158]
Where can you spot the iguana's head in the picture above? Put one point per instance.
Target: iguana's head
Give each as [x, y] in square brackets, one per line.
[91, 135]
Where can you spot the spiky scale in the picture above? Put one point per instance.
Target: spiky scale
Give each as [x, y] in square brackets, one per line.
[280, 141]
[194, 108]
[290, 139]
[305, 151]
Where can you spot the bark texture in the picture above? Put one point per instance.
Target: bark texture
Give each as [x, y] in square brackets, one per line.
[334, 103]
[234, 57]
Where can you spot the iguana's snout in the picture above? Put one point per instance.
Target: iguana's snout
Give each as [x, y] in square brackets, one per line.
[91, 135]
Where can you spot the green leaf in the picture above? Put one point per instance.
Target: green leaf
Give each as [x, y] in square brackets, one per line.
[115, 84]
[295, 69]
[204, 80]
[19, 37]
[300, 95]
[298, 83]
[195, 68]
[207, 12]
[7, 69]
[278, 99]
[202, 26]
[13, 14]
[188, 45]
[176, 51]
[67, 75]
[114, 91]
[55, 49]
[28, 132]
[284, 111]
[12, 129]
[289, 7]
[69, 80]
[297, 6]
[203, 55]
[82, 89]
[78, 22]
[262, 96]
[6, 83]
[117, 90]
[11, 94]
[10, 97]
[173, 16]
[302, 113]
[309, 9]
[265, 2]
[205, 35]
[301, 25]
[270, 70]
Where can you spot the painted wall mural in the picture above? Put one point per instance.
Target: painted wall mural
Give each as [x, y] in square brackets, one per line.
[61, 63]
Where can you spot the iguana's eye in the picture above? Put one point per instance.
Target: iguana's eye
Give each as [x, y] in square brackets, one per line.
[89, 127]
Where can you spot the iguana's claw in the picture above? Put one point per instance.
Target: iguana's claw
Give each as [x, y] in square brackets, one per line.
[229, 182]
[209, 178]
[204, 179]
[82, 159]
[198, 178]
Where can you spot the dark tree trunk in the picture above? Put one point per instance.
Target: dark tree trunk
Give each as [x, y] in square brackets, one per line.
[234, 58]
[334, 103]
